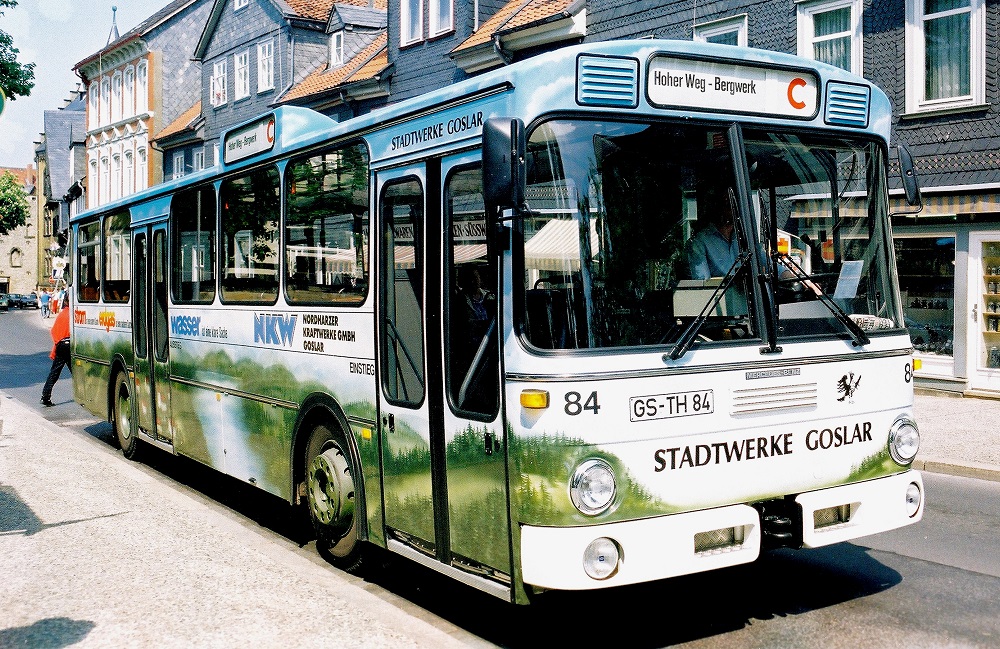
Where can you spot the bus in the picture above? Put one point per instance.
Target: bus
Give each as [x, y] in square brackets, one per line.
[469, 329]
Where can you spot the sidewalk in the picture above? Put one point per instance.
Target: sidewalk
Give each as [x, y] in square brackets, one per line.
[955, 435]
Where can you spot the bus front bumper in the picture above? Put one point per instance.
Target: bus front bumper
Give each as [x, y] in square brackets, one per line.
[680, 544]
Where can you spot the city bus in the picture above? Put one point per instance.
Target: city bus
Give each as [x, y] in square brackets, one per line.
[471, 328]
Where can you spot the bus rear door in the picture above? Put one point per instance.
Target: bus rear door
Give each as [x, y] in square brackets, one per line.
[150, 333]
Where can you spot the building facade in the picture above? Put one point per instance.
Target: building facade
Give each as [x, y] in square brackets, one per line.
[18, 261]
[136, 85]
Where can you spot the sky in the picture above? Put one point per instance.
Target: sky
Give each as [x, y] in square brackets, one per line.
[56, 35]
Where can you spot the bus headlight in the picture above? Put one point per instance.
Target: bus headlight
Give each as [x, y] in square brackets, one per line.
[600, 559]
[904, 440]
[592, 488]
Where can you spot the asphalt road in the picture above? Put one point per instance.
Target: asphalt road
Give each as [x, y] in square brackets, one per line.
[935, 584]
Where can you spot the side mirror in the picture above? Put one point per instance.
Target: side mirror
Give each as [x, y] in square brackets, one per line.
[503, 163]
[908, 174]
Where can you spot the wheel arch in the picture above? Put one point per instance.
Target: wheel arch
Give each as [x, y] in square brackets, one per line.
[118, 364]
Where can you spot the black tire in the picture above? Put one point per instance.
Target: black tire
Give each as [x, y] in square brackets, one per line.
[121, 417]
[332, 481]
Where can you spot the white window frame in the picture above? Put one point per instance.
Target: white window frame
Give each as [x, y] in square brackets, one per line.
[265, 66]
[128, 174]
[405, 14]
[116, 176]
[219, 95]
[198, 160]
[128, 92]
[105, 182]
[915, 60]
[105, 101]
[141, 89]
[337, 48]
[116, 97]
[94, 116]
[178, 171]
[241, 75]
[141, 168]
[92, 185]
[738, 24]
[240, 4]
[806, 11]
[435, 26]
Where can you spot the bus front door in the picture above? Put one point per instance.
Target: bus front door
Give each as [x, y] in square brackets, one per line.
[441, 434]
[150, 333]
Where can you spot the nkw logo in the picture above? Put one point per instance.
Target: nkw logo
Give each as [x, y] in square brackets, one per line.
[274, 328]
[185, 325]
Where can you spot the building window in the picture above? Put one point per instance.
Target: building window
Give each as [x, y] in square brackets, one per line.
[92, 187]
[241, 73]
[441, 12]
[265, 66]
[141, 170]
[945, 56]
[178, 164]
[94, 115]
[411, 21]
[831, 32]
[128, 175]
[105, 183]
[141, 89]
[16, 258]
[116, 97]
[105, 101]
[728, 31]
[219, 94]
[198, 160]
[927, 286]
[239, 4]
[116, 176]
[128, 93]
[337, 48]
[215, 154]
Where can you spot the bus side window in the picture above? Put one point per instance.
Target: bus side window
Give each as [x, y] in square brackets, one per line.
[193, 246]
[250, 207]
[117, 257]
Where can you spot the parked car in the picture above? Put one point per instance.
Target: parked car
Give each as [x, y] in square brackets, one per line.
[29, 301]
[4, 302]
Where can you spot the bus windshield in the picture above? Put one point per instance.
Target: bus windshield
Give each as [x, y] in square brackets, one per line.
[634, 235]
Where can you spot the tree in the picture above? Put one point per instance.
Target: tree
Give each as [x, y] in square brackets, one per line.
[16, 79]
[13, 204]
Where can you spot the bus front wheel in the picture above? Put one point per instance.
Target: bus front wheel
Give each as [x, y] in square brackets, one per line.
[122, 416]
[331, 498]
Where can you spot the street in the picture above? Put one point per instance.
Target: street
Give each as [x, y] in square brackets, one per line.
[99, 551]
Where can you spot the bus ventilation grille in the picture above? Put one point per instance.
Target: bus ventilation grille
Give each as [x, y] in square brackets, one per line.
[607, 81]
[775, 397]
[847, 104]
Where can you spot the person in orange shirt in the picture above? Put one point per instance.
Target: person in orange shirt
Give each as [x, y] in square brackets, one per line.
[59, 353]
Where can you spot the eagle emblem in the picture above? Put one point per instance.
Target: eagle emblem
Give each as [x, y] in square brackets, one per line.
[847, 386]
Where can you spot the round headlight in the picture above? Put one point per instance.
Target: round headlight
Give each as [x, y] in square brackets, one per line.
[592, 489]
[904, 440]
[600, 559]
[912, 499]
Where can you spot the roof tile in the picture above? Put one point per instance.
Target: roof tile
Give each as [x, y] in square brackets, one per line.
[364, 65]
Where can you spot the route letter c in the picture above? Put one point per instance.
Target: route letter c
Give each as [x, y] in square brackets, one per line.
[797, 82]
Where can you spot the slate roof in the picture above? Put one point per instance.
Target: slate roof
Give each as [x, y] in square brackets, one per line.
[517, 14]
[361, 16]
[366, 64]
[59, 126]
[139, 30]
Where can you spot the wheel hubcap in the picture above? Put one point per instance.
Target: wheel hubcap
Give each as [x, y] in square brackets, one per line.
[331, 489]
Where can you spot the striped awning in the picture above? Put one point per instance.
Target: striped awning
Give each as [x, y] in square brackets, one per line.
[950, 204]
[556, 246]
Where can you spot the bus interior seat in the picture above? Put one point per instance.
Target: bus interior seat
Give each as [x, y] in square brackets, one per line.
[549, 320]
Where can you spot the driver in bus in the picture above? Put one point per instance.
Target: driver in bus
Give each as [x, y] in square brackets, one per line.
[712, 251]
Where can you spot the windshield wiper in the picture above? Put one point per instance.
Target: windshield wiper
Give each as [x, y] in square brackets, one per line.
[686, 339]
[857, 333]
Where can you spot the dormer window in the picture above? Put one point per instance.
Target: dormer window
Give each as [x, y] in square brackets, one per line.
[239, 4]
[337, 48]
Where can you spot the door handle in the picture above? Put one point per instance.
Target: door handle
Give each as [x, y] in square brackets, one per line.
[389, 423]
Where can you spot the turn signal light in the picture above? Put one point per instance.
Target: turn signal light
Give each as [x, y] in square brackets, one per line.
[534, 399]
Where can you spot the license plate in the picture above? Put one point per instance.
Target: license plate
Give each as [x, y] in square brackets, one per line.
[675, 404]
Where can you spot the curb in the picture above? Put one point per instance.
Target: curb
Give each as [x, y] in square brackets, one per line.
[967, 470]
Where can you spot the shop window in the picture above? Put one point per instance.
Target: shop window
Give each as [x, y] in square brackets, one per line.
[926, 267]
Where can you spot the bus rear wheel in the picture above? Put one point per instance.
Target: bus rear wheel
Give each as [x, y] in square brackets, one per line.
[122, 416]
[331, 498]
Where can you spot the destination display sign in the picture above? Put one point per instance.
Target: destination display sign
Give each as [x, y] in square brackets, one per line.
[678, 82]
[256, 137]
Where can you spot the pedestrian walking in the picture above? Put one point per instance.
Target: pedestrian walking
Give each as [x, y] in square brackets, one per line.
[59, 353]
[44, 303]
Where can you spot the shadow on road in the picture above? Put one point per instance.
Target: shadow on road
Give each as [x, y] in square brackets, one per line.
[50, 633]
